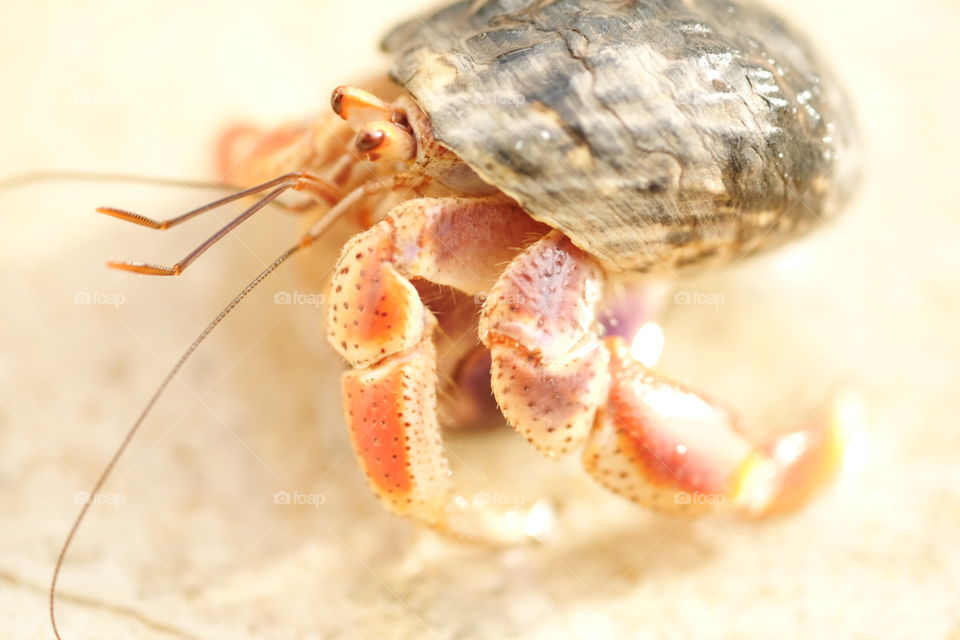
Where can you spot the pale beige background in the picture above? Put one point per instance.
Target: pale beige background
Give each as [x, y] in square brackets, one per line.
[200, 550]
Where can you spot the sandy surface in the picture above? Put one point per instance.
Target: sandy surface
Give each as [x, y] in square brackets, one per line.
[191, 543]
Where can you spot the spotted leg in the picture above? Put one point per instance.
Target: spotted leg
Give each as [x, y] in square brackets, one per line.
[667, 447]
[378, 323]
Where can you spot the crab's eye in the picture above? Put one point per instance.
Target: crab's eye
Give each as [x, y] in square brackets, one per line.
[386, 141]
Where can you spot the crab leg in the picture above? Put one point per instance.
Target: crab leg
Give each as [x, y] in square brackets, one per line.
[645, 437]
[378, 323]
[549, 367]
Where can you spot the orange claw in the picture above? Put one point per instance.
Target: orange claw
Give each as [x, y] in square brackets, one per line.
[247, 155]
[672, 449]
[377, 405]
[373, 309]
[789, 470]
[233, 146]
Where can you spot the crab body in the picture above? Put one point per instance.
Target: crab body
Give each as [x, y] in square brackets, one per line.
[538, 157]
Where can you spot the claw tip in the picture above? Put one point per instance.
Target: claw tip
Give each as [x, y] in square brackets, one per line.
[785, 475]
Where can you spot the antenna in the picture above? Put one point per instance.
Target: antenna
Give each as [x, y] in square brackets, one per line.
[317, 230]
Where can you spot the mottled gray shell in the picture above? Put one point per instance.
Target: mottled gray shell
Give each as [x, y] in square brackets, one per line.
[655, 133]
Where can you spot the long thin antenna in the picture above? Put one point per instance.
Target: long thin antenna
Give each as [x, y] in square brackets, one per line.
[315, 232]
[98, 485]
[36, 177]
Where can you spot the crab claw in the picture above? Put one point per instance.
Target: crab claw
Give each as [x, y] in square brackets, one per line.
[788, 470]
[672, 449]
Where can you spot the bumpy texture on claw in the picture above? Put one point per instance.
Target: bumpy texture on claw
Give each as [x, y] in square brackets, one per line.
[549, 367]
[387, 408]
[645, 437]
[378, 323]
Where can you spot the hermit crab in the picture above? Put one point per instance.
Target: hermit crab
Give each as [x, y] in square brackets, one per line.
[537, 155]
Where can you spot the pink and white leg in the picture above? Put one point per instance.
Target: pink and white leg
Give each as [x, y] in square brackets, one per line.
[378, 323]
[654, 441]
